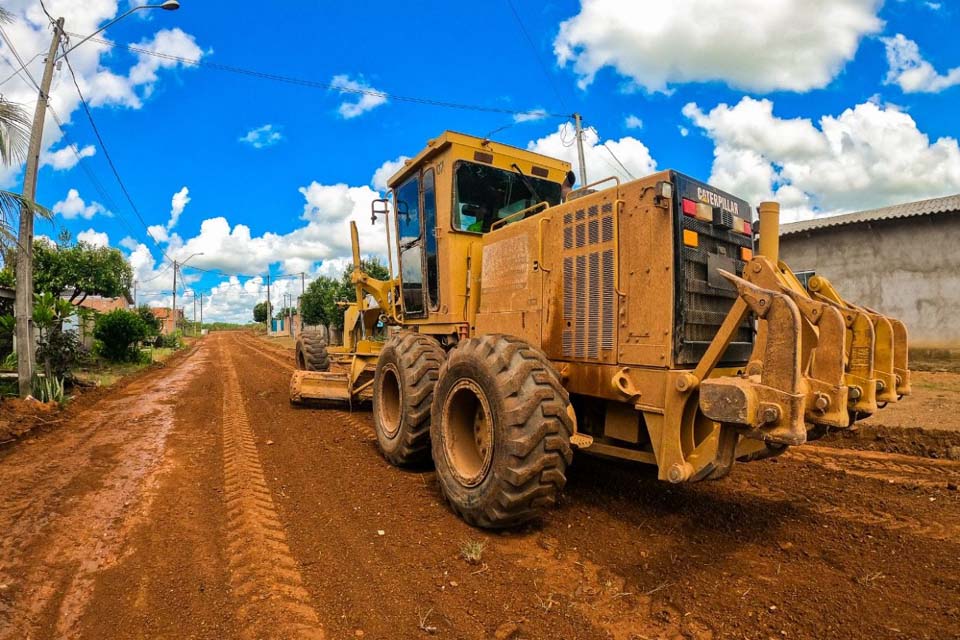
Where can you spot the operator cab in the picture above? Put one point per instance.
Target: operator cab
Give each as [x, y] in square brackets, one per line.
[460, 187]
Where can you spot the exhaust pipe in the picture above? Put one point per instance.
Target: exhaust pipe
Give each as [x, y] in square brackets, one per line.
[770, 231]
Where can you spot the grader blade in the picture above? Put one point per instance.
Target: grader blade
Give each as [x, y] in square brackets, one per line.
[320, 386]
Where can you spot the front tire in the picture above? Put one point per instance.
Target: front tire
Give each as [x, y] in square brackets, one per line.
[312, 352]
[407, 371]
[500, 432]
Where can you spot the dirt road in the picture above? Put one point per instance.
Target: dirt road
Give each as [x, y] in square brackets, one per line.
[195, 502]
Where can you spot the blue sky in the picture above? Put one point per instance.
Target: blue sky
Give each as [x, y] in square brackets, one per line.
[829, 106]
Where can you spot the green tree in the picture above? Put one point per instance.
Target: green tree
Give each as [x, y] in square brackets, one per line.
[261, 311]
[81, 269]
[319, 302]
[150, 321]
[119, 331]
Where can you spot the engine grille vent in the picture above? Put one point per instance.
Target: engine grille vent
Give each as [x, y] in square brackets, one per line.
[589, 300]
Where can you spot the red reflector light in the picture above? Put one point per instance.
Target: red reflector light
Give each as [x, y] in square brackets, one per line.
[689, 207]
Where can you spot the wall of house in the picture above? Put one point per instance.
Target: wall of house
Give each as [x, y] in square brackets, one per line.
[907, 268]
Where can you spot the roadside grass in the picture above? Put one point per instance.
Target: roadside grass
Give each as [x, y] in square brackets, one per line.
[104, 374]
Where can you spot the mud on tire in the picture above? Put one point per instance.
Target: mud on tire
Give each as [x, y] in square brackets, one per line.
[500, 431]
[312, 352]
[406, 374]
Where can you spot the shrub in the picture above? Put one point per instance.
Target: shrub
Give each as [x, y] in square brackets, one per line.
[61, 350]
[119, 331]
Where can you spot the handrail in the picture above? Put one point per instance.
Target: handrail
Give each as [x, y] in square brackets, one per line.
[593, 184]
[502, 221]
[540, 244]
[616, 244]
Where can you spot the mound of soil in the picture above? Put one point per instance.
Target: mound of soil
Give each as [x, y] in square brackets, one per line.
[20, 416]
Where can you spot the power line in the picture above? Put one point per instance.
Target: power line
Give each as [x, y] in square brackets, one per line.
[610, 151]
[315, 84]
[536, 53]
[106, 154]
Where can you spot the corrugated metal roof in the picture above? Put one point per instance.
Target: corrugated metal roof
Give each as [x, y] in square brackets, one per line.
[907, 210]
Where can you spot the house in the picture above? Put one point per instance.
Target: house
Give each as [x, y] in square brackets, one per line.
[901, 260]
[91, 306]
[168, 323]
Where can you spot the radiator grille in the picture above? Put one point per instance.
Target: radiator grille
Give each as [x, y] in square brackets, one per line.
[589, 299]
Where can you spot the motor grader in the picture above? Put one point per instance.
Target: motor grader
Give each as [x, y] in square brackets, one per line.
[635, 320]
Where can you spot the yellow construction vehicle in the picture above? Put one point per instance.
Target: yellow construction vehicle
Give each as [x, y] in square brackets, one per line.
[635, 321]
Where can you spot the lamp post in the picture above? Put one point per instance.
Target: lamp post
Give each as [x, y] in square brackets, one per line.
[23, 305]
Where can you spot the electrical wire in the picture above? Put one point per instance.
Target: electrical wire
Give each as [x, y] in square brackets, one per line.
[113, 167]
[536, 53]
[610, 151]
[316, 84]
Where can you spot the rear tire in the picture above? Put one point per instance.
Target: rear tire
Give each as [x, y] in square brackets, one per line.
[407, 371]
[312, 352]
[500, 432]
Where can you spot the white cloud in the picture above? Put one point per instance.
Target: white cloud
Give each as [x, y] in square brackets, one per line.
[385, 171]
[633, 122]
[911, 72]
[177, 204]
[158, 232]
[530, 116]
[869, 156]
[66, 157]
[684, 132]
[105, 76]
[95, 238]
[599, 156]
[73, 206]
[129, 243]
[757, 45]
[367, 98]
[265, 136]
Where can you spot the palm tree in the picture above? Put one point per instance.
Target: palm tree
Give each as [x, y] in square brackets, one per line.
[14, 136]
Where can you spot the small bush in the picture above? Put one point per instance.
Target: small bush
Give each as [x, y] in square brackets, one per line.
[119, 331]
[62, 350]
[472, 550]
[49, 390]
[167, 341]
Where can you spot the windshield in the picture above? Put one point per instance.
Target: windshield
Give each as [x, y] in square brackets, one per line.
[486, 194]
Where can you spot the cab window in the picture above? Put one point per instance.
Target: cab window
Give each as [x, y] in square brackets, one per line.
[485, 194]
[410, 246]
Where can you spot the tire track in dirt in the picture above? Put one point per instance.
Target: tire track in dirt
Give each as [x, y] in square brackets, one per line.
[74, 497]
[889, 467]
[264, 574]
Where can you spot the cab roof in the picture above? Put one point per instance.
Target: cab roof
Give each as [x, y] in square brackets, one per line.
[448, 138]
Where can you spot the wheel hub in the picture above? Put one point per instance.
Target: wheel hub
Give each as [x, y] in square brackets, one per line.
[468, 437]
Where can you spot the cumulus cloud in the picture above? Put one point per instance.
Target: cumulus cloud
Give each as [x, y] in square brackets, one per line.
[530, 116]
[633, 122]
[265, 136]
[911, 72]
[178, 203]
[757, 45]
[366, 97]
[73, 206]
[598, 155]
[385, 171]
[95, 238]
[66, 157]
[106, 77]
[870, 155]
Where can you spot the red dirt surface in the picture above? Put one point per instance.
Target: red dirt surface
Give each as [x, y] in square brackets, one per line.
[196, 502]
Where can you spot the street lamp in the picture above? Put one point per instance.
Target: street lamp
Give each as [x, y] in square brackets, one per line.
[168, 5]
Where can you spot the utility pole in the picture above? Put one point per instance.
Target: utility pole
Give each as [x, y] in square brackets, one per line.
[201, 313]
[269, 307]
[583, 166]
[134, 293]
[23, 305]
[194, 314]
[174, 309]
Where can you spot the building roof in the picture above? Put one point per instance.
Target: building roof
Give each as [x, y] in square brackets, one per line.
[907, 210]
[102, 305]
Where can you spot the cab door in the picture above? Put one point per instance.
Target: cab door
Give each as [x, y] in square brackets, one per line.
[417, 240]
